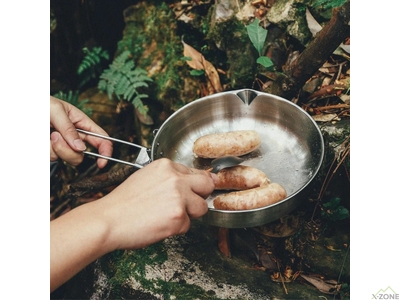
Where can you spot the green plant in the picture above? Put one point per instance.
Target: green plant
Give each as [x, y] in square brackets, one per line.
[91, 65]
[257, 36]
[327, 4]
[72, 97]
[332, 210]
[122, 79]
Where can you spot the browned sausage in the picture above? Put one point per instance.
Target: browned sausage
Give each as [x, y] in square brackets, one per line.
[240, 178]
[234, 143]
[249, 199]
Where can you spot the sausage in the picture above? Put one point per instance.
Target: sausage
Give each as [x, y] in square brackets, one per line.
[240, 178]
[234, 143]
[253, 198]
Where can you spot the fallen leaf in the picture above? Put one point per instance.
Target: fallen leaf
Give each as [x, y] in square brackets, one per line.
[288, 273]
[345, 47]
[313, 25]
[329, 247]
[144, 119]
[277, 277]
[198, 62]
[284, 227]
[327, 287]
[267, 261]
[325, 117]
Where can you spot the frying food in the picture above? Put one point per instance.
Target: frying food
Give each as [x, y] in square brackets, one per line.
[240, 178]
[264, 195]
[234, 143]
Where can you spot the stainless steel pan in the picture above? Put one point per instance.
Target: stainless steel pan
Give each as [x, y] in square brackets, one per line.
[291, 150]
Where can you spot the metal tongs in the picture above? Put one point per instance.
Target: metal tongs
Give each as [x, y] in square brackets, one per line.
[142, 158]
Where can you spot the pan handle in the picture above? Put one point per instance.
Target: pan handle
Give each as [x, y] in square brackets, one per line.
[141, 160]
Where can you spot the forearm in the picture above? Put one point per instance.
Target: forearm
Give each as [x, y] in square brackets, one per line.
[77, 239]
[135, 214]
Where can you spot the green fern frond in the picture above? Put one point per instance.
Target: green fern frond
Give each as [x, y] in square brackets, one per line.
[72, 97]
[90, 66]
[138, 103]
[122, 79]
[129, 92]
[327, 4]
[139, 84]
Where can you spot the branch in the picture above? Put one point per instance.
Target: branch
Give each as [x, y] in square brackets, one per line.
[99, 182]
[91, 184]
[313, 57]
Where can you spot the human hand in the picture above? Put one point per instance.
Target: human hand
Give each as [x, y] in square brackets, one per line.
[65, 142]
[156, 202]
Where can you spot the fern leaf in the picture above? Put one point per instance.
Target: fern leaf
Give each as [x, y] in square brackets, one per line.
[123, 80]
[90, 67]
[139, 84]
[142, 96]
[122, 85]
[129, 93]
[137, 102]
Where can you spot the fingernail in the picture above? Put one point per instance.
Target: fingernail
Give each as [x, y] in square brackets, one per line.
[214, 177]
[54, 136]
[79, 144]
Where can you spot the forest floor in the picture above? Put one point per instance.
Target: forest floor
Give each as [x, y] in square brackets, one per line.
[302, 255]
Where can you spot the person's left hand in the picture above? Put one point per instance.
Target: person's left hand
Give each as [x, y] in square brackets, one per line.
[65, 142]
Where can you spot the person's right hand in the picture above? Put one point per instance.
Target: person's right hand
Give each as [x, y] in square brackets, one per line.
[156, 202]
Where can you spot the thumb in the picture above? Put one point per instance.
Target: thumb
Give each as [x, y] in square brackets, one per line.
[68, 131]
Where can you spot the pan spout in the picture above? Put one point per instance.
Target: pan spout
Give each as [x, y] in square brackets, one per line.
[247, 95]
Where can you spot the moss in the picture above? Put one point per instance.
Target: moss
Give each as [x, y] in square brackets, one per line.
[291, 16]
[151, 36]
[232, 37]
[131, 265]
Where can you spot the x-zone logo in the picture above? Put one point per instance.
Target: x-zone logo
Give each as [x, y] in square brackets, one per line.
[388, 293]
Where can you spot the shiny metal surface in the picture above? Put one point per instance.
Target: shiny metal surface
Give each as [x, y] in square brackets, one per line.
[225, 162]
[142, 157]
[291, 151]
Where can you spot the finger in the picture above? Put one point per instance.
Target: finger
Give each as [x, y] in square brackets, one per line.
[196, 206]
[60, 149]
[104, 147]
[213, 176]
[60, 120]
[53, 154]
[96, 142]
[202, 182]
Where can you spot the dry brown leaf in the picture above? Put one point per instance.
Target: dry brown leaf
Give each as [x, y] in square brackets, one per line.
[277, 277]
[327, 287]
[198, 62]
[197, 58]
[325, 118]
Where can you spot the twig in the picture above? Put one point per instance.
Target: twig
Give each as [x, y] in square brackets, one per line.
[316, 53]
[60, 208]
[92, 184]
[280, 274]
[326, 182]
[333, 106]
[331, 173]
[342, 267]
[101, 181]
[346, 153]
